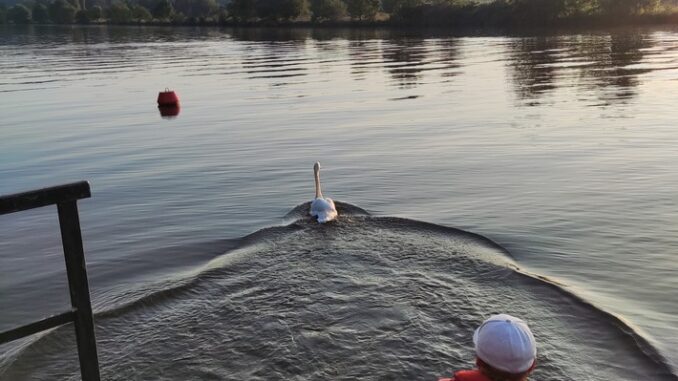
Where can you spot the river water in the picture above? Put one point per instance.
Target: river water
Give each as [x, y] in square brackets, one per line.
[528, 174]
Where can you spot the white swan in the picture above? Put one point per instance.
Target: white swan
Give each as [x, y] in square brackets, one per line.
[322, 208]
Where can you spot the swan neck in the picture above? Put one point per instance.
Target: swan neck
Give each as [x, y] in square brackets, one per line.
[318, 191]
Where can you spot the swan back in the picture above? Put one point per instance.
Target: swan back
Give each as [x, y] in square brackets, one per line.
[323, 209]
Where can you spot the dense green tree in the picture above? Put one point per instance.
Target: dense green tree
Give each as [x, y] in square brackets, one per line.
[391, 6]
[61, 12]
[267, 9]
[40, 14]
[163, 9]
[362, 9]
[264, 8]
[3, 14]
[140, 13]
[405, 7]
[414, 12]
[222, 15]
[82, 16]
[74, 3]
[538, 11]
[177, 18]
[95, 12]
[206, 8]
[627, 7]
[119, 13]
[580, 7]
[19, 14]
[242, 10]
[196, 8]
[293, 9]
[328, 9]
[280, 9]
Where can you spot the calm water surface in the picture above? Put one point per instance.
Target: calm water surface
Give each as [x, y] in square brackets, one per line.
[562, 149]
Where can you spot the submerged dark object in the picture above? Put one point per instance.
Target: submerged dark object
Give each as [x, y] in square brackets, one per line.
[168, 98]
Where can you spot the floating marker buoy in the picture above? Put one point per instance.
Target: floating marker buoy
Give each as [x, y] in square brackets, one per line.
[169, 112]
[168, 98]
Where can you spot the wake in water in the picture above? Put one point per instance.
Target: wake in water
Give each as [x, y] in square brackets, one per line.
[366, 297]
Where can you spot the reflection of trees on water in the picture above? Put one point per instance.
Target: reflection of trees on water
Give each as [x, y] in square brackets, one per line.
[317, 34]
[364, 55]
[592, 63]
[402, 55]
[532, 66]
[296, 35]
[610, 73]
[104, 49]
[276, 60]
[363, 45]
[274, 53]
[403, 60]
[406, 60]
[358, 34]
[448, 56]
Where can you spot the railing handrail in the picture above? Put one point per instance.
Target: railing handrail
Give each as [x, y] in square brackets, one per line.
[65, 197]
[43, 197]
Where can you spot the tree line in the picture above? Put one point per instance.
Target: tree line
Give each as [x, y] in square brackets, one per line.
[379, 12]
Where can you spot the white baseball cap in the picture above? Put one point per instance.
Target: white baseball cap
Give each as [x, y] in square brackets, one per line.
[506, 343]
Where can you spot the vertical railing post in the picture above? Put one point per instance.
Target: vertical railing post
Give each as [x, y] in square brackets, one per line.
[71, 239]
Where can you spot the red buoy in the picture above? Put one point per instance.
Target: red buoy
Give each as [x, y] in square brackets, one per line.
[168, 98]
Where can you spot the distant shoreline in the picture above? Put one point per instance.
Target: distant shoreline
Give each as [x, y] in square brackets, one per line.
[587, 22]
[418, 14]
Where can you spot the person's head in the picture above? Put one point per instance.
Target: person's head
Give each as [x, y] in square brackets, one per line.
[505, 348]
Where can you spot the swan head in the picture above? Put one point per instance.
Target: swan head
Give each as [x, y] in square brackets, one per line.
[316, 166]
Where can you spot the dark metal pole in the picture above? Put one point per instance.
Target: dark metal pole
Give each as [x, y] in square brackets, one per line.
[71, 239]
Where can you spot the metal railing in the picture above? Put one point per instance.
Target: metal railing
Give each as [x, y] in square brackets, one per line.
[65, 197]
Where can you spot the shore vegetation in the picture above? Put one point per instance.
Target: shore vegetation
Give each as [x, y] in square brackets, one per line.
[421, 13]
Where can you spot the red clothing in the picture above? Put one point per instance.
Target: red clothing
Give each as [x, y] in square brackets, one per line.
[468, 375]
